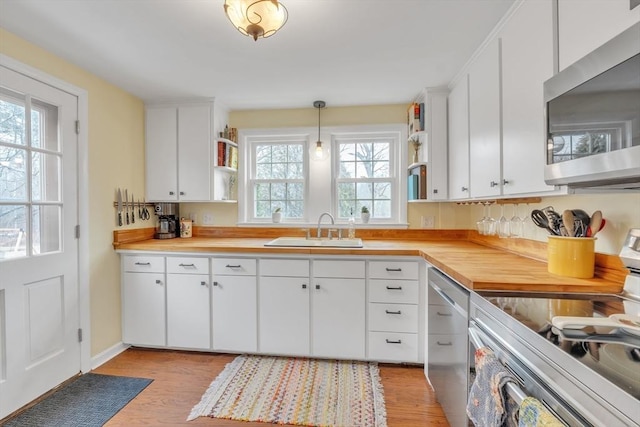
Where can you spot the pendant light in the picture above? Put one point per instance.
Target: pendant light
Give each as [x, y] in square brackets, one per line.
[320, 152]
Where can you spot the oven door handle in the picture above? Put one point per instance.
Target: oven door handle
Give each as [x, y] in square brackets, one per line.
[513, 389]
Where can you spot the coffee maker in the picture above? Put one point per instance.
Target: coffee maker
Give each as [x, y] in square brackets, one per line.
[168, 221]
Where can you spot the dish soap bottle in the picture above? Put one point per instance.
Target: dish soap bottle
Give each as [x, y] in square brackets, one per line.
[352, 226]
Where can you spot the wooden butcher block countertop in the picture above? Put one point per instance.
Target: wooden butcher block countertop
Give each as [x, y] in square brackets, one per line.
[475, 265]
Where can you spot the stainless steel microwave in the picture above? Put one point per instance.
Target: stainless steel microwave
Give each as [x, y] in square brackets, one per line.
[592, 111]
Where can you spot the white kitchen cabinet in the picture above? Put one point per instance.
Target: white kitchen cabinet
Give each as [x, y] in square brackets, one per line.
[188, 311]
[338, 306]
[143, 301]
[283, 306]
[235, 306]
[485, 162]
[434, 143]
[178, 150]
[459, 140]
[586, 25]
[527, 61]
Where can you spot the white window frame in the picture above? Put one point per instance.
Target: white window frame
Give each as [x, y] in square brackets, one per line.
[320, 195]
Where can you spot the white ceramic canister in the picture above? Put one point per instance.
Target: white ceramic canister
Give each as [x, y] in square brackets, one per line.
[185, 227]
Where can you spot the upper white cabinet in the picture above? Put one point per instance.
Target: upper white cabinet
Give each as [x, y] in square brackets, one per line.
[585, 25]
[459, 140]
[179, 158]
[527, 61]
[436, 124]
[484, 123]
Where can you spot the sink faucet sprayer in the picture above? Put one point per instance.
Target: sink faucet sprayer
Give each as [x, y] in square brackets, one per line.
[320, 220]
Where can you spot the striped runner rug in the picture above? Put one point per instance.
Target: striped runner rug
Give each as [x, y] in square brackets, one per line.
[296, 391]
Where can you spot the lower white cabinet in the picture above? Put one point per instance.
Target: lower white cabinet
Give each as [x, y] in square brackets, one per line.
[188, 308]
[338, 318]
[143, 313]
[284, 315]
[234, 313]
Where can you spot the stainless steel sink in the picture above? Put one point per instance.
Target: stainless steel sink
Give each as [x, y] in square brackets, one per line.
[315, 242]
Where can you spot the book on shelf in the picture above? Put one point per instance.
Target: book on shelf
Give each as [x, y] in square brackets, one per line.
[233, 157]
[413, 117]
[412, 187]
[221, 153]
[420, 174]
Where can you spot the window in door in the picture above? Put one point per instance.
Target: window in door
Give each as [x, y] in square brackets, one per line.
[30, 176]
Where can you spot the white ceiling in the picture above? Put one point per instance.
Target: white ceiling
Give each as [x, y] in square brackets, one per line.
[346, 52]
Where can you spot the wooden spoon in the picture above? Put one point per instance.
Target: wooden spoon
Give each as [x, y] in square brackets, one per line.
[567, 220]
[596, 223]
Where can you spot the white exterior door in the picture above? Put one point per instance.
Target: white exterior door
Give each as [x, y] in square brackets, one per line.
[39, 293]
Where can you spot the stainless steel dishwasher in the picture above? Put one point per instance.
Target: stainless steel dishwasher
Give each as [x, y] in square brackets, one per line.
[448, 345]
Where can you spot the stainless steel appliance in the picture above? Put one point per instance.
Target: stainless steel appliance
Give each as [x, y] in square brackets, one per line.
[447, 345]
[593, 118]
[587, 376]
[168, 221]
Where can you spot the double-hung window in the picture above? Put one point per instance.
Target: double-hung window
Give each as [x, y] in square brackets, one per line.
[277, 178]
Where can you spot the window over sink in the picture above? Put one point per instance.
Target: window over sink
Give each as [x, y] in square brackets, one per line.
[277, 170]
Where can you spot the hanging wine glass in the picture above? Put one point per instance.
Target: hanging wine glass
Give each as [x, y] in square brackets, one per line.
[526, 221]
[503, 224]
[489, 224]
[516, 223]
[480, 222]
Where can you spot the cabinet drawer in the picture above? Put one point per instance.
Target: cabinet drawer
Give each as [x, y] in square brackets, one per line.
[234, 266]
[393, 317]
[393, 270]
[393, 291]
[447, 349]
[146, 264]
[444, 319]
[334, 268]
[284, 267]
[187, 265]
[393, 347]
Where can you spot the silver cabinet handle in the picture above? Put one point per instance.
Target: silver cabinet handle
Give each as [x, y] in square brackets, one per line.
[393, 342]
[171, 193]
[464, 188]
[142, 263]
[393, 312]
[393, 269]
[444, 314]
[435, 191]
[448, 343]
[505, 181]
[317, 286]
[394, 288]
[187, 265]
[233, 266]
[304, 286]
[215, 283]
[158, 282]
[203, 283]
[182, 193]
[493, 184]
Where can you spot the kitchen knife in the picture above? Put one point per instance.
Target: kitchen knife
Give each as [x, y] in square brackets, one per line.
[119, 196]
[126, 209]
[133, 210]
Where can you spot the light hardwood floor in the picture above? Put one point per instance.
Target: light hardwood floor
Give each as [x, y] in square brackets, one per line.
[180, 379]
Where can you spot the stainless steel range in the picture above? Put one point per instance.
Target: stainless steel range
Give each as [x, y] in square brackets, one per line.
[586, 370]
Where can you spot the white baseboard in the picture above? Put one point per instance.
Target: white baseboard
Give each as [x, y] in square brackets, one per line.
[107, 355]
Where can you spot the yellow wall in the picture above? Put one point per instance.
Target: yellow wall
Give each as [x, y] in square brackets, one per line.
[116, 159]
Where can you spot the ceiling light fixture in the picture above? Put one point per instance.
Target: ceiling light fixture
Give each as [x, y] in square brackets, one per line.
[320, 152]
[256, 18]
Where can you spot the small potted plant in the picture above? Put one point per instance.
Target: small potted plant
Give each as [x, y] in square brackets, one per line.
[364, 214]
[276, 216]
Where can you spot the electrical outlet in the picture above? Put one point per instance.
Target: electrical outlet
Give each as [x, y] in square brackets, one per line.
[207, 219]
[428, 222]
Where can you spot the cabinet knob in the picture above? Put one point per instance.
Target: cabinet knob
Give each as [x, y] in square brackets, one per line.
[464, 188]
[158, 282]
[203, 283]
[505, 181]
[304, 286]
[215, 283]
[317, 286]
[182, 193]
[435, 191]
[171, 193]
[493, 184]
